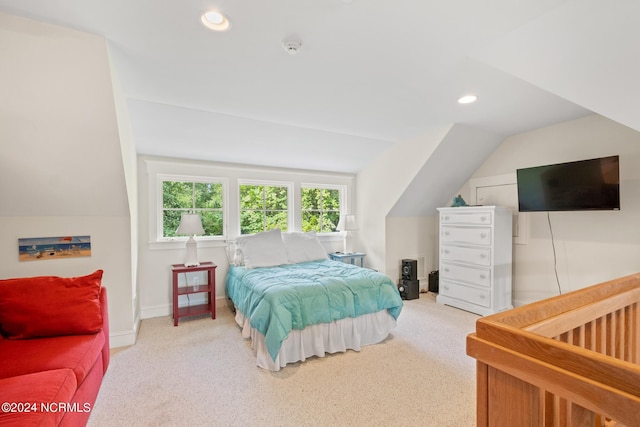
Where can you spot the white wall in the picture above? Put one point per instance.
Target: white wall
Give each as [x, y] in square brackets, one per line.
[412, 238]
[61, 163]
[380, 185]
[457, 155]
[409, 181]
[590, 246]
[156, 258]
[110, 251]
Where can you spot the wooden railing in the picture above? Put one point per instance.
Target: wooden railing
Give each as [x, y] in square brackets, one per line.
[570, 360]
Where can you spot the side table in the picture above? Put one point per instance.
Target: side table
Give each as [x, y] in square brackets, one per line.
[194, 287]
[356, 258]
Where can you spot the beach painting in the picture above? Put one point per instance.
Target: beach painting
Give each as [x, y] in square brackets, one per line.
[40, 248]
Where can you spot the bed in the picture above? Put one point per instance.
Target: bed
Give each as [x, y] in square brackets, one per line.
[294, 303]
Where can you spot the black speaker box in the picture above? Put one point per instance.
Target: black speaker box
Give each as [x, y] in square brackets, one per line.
[409, 289]
[409, 269]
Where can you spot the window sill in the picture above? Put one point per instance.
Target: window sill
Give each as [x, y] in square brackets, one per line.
[180, 244]
[221, 243]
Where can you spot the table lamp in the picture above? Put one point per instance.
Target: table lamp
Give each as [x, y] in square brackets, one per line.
[347, 224]
[190, 224]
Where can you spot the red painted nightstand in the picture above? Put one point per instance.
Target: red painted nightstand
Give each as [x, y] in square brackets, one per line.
[209, 287]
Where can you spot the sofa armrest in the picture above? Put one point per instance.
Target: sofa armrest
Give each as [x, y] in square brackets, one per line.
[105, 328]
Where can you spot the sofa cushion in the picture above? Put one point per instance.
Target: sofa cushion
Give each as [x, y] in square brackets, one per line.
[76, 352]
[35, 392]
[50, 306]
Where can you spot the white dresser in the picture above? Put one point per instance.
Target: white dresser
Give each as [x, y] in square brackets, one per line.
[475, 258]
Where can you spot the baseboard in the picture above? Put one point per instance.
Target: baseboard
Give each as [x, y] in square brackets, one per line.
[124, 338]
[167, 309]
[155, 311]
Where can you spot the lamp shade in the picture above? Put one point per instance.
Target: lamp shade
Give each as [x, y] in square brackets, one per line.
[347, 223]
[190, 224]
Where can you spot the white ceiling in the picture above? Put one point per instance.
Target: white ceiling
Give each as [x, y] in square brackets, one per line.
[370, 73]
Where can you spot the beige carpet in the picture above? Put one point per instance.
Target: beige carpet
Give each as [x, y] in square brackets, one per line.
[203, 373]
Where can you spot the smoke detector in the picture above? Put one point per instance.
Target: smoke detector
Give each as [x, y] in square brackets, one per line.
[292, 46]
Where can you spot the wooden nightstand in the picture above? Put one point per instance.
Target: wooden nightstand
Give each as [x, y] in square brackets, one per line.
[356, 258]
[208, 287]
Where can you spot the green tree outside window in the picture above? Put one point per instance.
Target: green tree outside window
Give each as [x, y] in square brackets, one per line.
[320, 209]
[204, 198]
[262, 208]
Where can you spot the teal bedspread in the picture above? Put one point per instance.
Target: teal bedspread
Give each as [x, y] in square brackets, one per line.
[293, 296]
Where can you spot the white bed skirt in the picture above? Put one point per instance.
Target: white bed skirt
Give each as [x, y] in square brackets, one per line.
[317, 340]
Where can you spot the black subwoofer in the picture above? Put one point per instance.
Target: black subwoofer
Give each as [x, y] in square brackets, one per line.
[409, 269]
[434, 281]
[409, 289]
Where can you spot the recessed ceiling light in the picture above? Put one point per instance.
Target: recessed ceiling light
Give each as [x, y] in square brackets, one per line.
[467, 99]
[215, 21]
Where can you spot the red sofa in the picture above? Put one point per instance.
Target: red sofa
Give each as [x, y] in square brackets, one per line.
[54, 349]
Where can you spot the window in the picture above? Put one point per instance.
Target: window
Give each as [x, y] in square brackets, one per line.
[263, 207]
[183, 196]
[320, 209]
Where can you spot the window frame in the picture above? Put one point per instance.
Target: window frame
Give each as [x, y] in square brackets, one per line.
[342, 189]
[266, 183]
[162, 177]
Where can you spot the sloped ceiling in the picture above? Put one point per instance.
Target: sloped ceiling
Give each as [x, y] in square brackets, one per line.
[584, 52]
[60, 152]
[447, 169]
[369, 74]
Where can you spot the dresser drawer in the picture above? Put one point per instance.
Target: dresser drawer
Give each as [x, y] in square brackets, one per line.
[478, 256]
[465, 293]
[472, 218]
[475, 276]
[470, 235]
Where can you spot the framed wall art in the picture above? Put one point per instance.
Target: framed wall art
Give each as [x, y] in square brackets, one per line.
[41, 248]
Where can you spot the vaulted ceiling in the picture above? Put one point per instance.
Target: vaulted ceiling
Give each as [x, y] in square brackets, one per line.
[368, 74]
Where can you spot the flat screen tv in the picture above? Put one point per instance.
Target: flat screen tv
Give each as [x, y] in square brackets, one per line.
[575, 186]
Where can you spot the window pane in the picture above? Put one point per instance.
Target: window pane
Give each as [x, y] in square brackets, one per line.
[330, 222]
[212, 222]
[309, 198]
[177, 195]
[276, 220]
[170, 222]
[251, 197]
[251, 222]
[311, 221]
[208, 195]
[331, 200]
[275, 198]
[204, 198]
[320, 209]
[263, 208]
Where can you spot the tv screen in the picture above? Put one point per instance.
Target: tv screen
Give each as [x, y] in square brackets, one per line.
[575, 186]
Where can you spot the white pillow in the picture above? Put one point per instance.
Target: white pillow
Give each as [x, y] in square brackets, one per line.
[303, 247]
[262, 249]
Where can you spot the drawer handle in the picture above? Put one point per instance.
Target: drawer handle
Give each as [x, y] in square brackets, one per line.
[446, 218]
[482, 296]
[483, 235]
[483, 218]
[446, 270]
[483, 276]
[446, 233]
[483, 256]
[446, 251]
[446, 287]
